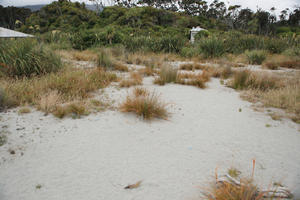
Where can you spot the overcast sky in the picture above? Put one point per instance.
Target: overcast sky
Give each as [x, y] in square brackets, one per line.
[252, 4]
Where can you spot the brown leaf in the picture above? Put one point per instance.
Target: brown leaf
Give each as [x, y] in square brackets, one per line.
[136, 185]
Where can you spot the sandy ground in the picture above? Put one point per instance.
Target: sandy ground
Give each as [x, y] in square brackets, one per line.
[97, 156]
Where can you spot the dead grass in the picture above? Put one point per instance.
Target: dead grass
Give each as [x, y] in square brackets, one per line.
[147, 71]
[86, 55]
[193, 67]
[120, 67]
[198, 80]
[75, 109]
[24, 110]
[167, 74]
[227, 190]
[48, 91]
[275, 61]
[253, 80]
[221, 72]
[135, 79]
[146, 104]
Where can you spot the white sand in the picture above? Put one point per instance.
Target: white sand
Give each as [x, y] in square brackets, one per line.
[97, 156]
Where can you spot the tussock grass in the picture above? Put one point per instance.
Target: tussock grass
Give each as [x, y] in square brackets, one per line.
[192, 67]
[75, 109]
[120, 67]
[24, 110]
[275, 61]
[48, 91]
[104, 60]
[147, 71]
[198, 80]
[20, 58]
[134, 79]
[221, 72]
[86, 55]
[256, 56]
[251, 80]
[168, 74]
[146, 104]
[246, 191]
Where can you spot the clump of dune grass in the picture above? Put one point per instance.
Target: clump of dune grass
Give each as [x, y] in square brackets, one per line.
[25, 58]
[49, 91]
[134, 79]
[198, 80]
[167, 74]
[193, 66]
[287, 98]
[247, 190]
[24, 110]
[120, 67]
[221, 72]
[104, 60]
[251, 80]
[86, 55]
[75, 109]
[145, 104]
[147, 71]
[234, 172]
[256, 56]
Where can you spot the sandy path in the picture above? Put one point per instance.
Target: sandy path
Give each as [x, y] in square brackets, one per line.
[96, 156]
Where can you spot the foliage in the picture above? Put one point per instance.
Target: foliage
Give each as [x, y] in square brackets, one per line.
[212, 47]
[27, 58]
[256, 56]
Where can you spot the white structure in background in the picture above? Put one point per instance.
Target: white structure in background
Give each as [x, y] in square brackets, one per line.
[194, 31]
[7, 33]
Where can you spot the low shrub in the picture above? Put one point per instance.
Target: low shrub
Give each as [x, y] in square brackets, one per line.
[256, 56]
[146, 104]
[19, 58]
[276, 45]
[211, 47]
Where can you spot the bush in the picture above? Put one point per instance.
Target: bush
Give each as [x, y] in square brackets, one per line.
[145, 104]
[276, 45]
[256, 56]
[26, 58]
[212, 47]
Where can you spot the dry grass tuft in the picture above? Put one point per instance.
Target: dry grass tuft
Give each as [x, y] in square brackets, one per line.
[147, 71]
[227, 190]
[48, 91]
[86, 55]
[140, 92]
[252, 80]
[197, 80]
[192, 67]
[24, 110]
[75, 109]
[120, 67]
[49, 102]
[168, 74]
[146, 104]
[221, 72]
[135, 79]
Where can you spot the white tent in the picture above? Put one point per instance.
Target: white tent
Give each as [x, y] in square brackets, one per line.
[7, 33]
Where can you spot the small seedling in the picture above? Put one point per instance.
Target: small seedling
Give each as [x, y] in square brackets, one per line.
[240, 110]
[39, 186]
[268, 125]
[233, 172]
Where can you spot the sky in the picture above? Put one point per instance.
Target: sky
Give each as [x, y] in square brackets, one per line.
[252, 4]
